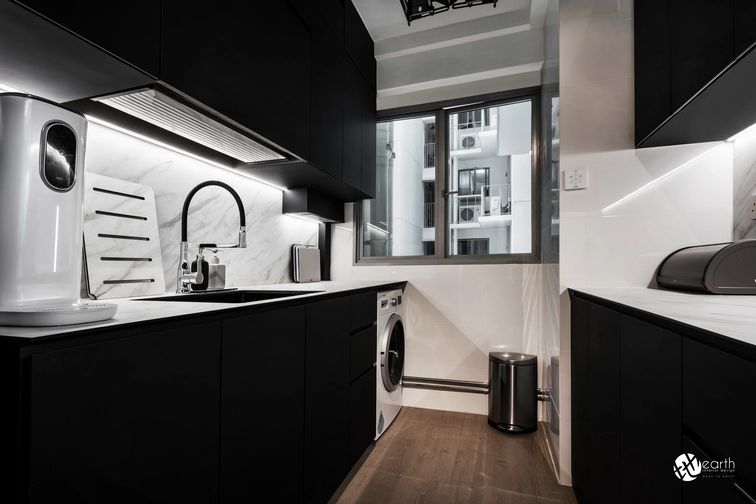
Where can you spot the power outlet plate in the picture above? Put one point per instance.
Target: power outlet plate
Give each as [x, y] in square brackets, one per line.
[752, 207]
[575, 179]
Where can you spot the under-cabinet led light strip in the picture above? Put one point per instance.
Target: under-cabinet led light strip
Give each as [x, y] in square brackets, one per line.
[174, 149]
[687, 163]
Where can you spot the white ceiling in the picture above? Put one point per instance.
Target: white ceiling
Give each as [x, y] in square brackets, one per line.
[385, 18]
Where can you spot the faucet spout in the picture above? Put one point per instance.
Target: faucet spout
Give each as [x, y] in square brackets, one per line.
[186, 278]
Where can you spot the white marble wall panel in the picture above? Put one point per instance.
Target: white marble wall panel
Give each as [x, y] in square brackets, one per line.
[213, 215]
[744, 185]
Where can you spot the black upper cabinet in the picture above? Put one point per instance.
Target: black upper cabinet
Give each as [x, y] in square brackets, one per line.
[358, 43]
[128, 420]
[652, 66]
[367, 178]
[262, 441]
[333, 12]
[352, 124]
[745, 27]
[693, 70]
[129, 30]
[327, 117]
[304, 10]
[248, 61]
[701, 45]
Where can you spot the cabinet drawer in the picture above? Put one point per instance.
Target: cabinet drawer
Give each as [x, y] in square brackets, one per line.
[361, 416]
[363, 309]
[363, 349]
[718, 405]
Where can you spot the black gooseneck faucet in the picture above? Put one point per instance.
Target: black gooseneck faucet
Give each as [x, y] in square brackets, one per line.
[185, 277]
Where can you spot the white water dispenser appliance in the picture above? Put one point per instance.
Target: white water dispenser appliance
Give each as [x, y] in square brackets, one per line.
[42, 149]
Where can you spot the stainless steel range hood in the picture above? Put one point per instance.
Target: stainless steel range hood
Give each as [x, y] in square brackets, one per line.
[168, 116]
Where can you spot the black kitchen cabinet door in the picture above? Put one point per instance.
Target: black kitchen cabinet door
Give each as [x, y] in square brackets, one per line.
[745, 26]
[718, 405]
[703, 490]
[353, 79]
[249, 61]
[128, 420]
[262, 407]
[358, 43]
[326, 398]
[361, 414]
[364, 310]
[129, 30]
[701, 45]
[581, 403]
[327, 116]
[651, 404]
[333, 12]
[653, 102]
[604, 414]
[367, 178]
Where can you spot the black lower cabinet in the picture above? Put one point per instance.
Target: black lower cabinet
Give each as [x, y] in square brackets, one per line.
[362, 388]
[626, 408]
[650, 396]
[581, 404]
[326, 426]
[262, 407]
[702, 490]
[128, 420]
[718, 406]
[604, 415]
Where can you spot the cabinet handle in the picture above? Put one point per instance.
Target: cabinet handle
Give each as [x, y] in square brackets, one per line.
[744, 494]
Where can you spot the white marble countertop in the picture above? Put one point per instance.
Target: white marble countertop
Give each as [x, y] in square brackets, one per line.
[131, 310]
[730, 316]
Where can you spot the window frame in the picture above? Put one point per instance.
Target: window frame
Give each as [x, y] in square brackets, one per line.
[441, 111]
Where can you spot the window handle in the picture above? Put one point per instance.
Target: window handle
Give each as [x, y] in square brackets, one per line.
[449, 193]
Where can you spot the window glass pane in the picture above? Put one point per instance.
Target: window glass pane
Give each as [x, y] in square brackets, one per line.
[489, 173]
[400, 220]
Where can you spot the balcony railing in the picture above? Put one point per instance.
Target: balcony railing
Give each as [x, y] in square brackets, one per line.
[492, 199]
[429, 215]
[430, 155]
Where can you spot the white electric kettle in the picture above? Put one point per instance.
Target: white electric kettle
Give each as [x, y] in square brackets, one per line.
[42, 149]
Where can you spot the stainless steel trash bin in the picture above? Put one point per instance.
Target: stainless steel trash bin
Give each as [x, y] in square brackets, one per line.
[513, 392]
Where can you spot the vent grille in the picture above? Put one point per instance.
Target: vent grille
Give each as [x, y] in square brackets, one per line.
[161, 110]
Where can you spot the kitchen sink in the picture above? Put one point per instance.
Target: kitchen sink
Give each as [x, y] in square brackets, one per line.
[229, 296]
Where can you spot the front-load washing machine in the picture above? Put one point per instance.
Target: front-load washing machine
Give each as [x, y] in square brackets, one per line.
[390, 360]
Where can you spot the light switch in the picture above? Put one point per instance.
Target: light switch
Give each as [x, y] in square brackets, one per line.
[752, 207]
[575, 179]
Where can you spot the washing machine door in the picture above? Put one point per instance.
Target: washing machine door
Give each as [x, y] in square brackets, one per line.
[392, 353]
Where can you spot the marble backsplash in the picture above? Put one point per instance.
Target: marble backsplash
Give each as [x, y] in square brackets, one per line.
[213, 215]
[743, 185]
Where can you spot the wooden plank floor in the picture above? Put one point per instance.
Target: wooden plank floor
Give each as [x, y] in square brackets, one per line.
[439, 457]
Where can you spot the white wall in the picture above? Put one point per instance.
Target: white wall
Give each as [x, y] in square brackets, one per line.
[605, 239]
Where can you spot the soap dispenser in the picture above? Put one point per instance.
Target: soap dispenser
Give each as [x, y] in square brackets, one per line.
[217, 273]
